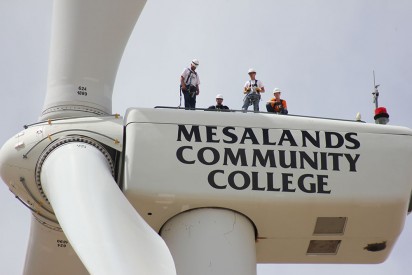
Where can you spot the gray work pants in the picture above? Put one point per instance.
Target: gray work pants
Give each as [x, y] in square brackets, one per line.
[251, 99]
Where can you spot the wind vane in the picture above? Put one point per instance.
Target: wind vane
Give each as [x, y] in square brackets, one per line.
[381, 115]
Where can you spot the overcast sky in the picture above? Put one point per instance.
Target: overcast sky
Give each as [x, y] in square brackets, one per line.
[320, 53]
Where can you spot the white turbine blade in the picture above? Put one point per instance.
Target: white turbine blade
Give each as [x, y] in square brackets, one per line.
[104, 229]
[49, 252]
[87, 43]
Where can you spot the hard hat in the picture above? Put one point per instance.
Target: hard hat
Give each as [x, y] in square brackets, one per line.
[219, 96]
[251, 71]
[195, 62]
[276, 90]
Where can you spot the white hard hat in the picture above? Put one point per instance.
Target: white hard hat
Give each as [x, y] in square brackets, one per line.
[251, 71]
[195, 62]
[276, 90]
[219, 96]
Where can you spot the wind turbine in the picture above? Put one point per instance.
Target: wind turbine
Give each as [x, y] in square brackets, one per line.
[68, 188]
[222, 193]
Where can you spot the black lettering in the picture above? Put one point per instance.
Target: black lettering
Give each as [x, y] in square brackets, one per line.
[352, 161]
[270, 156]
[287, 136]
[249, 134]
[322, 183]
[323, 161]
[255, 182]
[270, 183]
[210, 133]
[179, 155]
[232, 136]
[305, 158]
[315, 141]
[335, 160]
[301, 184]
[266, 138]
[355, 142]
[211, 179]
[282, 159]
[246, 180]
[241, 155]
[188, 136]
[286, 182]
[331, 142]
[201, 154]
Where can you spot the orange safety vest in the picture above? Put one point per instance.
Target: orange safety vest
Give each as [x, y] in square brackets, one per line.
[276, 104]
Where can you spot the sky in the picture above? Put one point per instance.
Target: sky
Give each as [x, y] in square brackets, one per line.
[320, 53]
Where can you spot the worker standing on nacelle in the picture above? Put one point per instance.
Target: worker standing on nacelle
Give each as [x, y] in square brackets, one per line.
[252, 89]
[189, 84]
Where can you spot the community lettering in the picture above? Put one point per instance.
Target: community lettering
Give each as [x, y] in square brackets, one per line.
[280, 152]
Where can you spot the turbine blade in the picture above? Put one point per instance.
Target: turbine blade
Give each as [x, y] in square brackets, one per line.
[102, 226]
[87, 43]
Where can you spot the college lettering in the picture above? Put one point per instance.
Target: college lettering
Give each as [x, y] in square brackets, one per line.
[328, 140]
[318, 151]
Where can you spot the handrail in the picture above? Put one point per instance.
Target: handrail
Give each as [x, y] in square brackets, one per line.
[247, 111]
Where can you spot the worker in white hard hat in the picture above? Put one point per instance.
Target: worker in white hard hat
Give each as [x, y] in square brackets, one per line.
[252, 88]
[189, 84]
[219, 104]
[276, 104]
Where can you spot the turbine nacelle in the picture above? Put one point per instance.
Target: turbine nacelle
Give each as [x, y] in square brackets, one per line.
[311, 187]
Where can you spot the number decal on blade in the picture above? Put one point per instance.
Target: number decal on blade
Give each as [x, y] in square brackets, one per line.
[82, 90]
[62, 243]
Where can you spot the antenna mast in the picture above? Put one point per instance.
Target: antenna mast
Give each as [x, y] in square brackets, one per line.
[375, 91]
[381, 115]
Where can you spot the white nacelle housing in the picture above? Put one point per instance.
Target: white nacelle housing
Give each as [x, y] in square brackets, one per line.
[317, 190]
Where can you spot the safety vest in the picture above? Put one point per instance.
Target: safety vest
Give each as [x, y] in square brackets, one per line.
[278, 106]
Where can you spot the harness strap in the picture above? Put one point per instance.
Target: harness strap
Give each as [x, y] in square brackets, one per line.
[188, 77]
[251, 85]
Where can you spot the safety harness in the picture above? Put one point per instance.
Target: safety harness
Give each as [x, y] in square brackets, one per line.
[192, 94]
